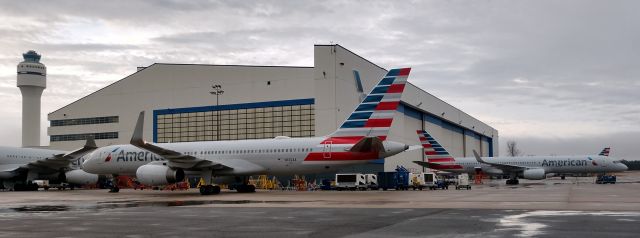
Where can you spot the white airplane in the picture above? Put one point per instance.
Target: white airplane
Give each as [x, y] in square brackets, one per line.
[360, 139]
[528, 167]
[19, 167]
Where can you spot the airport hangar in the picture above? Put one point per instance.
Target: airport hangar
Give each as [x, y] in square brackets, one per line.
[262, 102]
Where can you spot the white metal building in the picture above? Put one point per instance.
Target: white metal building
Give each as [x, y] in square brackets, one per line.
[261, 102]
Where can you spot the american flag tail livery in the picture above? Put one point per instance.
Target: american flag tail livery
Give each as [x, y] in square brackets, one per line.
[432, 149]
[605, 152]
[373, 117]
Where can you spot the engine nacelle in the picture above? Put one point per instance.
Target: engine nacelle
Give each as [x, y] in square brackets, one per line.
[534, 174]
[80, 177]
[152, 174]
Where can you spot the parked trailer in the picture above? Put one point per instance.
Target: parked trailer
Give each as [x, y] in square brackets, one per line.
[463, 182]
[351, 182]
[393, 180]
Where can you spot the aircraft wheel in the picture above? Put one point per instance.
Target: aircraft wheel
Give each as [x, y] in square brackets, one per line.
[207, 190]
[114, 190]
[33, 187]
[215, 190]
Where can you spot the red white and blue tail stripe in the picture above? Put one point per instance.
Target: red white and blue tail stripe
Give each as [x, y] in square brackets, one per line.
[432, 149]
[437, 157]
[374, 115]
[605, 152]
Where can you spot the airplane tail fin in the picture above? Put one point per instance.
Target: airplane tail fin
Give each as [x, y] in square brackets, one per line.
[373, 117]
[605, 151]
[432, 149]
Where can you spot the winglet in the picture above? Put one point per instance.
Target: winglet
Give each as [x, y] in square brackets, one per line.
[91, 143]
[136, 138]
[89, 146]
[475, 154]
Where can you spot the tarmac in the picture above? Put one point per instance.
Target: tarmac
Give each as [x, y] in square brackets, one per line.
[575, 207]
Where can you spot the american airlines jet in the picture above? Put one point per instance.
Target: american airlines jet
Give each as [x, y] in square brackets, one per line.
[528, 167]
[360, 139]
[19, 167]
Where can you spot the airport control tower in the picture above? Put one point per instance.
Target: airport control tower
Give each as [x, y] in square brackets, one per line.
[32, 80]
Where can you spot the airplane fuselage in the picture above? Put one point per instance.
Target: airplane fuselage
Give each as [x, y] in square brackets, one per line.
[12, 158]
[279, 156]
[550, 164]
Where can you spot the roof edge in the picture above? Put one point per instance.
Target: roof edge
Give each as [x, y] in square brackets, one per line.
[374, 64]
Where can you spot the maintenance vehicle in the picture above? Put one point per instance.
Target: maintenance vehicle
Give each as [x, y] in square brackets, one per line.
[351, 182]
[462, 181]
[605, 179]
[372, 181]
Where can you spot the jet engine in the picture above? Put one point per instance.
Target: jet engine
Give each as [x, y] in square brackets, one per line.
[534, 174]
[80, 177]
[152, 174]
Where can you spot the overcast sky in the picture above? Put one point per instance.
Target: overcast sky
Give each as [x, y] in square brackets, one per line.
[559, 77]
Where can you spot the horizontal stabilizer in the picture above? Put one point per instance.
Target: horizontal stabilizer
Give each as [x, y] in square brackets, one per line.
[368, 144]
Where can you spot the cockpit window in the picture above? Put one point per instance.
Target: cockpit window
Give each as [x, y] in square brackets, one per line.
[617, 161]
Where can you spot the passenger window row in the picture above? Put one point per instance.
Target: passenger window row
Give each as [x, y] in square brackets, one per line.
[258, 151]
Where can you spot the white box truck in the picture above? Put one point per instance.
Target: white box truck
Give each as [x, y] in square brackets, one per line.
[372, 181]
[351, 182]
[422, 180]
[463, 182]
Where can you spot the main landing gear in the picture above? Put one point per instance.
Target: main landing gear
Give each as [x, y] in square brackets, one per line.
[209, 189]
[114, 184]
[244, 186]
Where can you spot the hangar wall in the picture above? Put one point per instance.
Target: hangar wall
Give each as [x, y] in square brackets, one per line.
[178, 96]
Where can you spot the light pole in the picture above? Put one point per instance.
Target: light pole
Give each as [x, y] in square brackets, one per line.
[217, 90]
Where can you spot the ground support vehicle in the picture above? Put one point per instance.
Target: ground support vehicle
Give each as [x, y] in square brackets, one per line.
[351, 182]
[605, 179]
[463, 182]
[398, 180]
[422, 180]
[440, 184]
[372, 181]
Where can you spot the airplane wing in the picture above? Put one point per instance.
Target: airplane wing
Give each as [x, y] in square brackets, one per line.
[175, 158]
[503, 167]
[59, 161]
